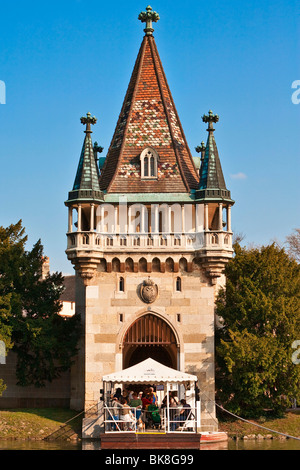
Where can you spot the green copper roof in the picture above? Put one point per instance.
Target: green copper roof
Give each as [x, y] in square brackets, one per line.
[86, 185]
[154, 198]
[211, 174]
[87, 176]
[212, 183]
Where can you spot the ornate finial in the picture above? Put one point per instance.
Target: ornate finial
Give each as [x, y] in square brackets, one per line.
[210, 118]
[97, 149]
[88, 120]
[148, 17]
[201, 149]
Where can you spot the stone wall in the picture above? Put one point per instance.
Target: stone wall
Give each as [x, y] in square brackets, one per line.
[55, 394]
[109, 313]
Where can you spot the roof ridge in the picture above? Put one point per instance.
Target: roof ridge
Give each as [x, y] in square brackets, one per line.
[138, 62]
[177, 116]
[166, 108]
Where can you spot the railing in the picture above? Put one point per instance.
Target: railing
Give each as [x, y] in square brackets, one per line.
[67, 429]
[148, 241]
[118, 419]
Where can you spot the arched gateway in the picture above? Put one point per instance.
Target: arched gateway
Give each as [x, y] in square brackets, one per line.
[150, 337]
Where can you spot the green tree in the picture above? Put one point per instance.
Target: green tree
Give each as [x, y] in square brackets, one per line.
[44, 341]
[260, 312]
[5, 331]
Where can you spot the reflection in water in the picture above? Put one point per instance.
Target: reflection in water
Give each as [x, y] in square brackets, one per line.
[39, 445]
[263, 444]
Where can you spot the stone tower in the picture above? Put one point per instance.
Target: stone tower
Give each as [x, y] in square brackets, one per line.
[149, 234]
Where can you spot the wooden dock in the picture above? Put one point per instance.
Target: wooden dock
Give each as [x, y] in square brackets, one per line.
[159, 440]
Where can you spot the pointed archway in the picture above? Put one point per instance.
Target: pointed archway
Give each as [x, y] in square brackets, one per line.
[150, 336]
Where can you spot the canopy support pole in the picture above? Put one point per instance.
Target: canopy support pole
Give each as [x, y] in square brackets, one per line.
[168, 406]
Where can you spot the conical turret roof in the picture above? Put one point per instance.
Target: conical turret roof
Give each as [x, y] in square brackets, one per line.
[212, 183]
[148, 119]
[86, 185]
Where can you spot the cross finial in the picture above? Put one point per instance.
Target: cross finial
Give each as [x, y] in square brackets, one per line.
[148, 17]
[97, 149]
[88, 120]
[210, 118]
[201, 149]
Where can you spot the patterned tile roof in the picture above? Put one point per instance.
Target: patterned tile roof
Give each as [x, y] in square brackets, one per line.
[148, 119]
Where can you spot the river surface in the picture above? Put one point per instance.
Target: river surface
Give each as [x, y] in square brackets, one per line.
[288, 444]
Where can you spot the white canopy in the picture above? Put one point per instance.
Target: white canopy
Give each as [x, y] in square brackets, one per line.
[149, 371]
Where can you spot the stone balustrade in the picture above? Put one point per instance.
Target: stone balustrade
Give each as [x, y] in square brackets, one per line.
[134, 242]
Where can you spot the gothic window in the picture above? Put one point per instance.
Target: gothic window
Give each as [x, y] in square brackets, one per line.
[121, 284]
[178, 284]
[85, 240]
[116, 265]
[156, 265]
[149, 159]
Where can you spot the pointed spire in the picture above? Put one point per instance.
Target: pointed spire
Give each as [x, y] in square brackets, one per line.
[86, 185]
[148, 119]
[148, 17]
[212, 183]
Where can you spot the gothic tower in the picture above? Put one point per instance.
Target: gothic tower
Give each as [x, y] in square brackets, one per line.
[149, 235]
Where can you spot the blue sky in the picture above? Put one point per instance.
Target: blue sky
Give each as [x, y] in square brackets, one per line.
[61, 59]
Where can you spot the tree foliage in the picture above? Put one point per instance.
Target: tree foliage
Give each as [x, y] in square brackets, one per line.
[30, 323]
[293, 242]
[260, 312]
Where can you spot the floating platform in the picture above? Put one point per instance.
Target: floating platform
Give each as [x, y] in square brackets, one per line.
[212, 437]
[160, 440]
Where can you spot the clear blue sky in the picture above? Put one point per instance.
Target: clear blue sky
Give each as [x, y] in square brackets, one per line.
[61, 59]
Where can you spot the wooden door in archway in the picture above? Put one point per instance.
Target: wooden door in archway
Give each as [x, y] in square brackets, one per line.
[150, 336]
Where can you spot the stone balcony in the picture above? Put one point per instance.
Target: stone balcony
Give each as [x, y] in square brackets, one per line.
[149, 242]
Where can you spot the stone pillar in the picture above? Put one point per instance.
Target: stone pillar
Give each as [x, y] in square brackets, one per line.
[220, 216]
[156, 219]
[228, 218]
[70, 220]
[92, 218]
[183, 219]
[116, 219]
[79, 218]
[142, 215]
[205, 216]
[102, 219]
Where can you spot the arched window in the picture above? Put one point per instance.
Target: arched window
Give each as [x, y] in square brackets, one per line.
[156, 265]
[115, 265]
[149, 159]
[102, 266]
[146, 167]
[121, 284]
[142, 265]
[183, 265]
[169, 265]
[129, 265]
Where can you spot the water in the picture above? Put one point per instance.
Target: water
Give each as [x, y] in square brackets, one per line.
[288, 444]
